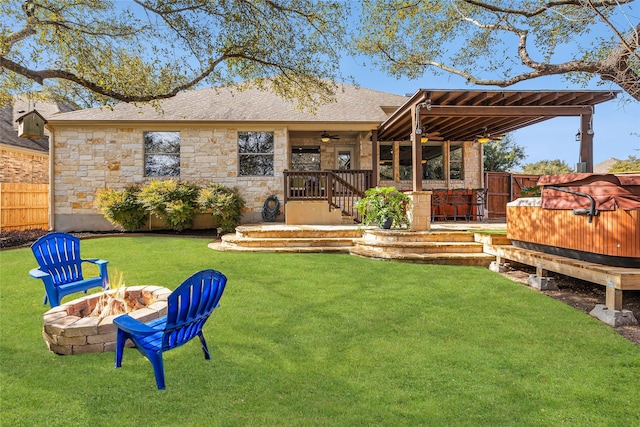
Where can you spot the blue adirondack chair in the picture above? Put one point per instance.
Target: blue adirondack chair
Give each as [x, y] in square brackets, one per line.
[188, 308]
[58, 255]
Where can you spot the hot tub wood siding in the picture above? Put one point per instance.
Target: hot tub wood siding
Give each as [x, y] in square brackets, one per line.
[612, 233]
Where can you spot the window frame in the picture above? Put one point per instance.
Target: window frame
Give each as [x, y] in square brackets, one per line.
[254, 154]
[147, 154]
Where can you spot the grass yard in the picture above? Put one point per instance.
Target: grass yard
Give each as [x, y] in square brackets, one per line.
[324, 340]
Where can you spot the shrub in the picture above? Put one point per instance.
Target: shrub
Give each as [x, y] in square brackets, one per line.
[174, 200]
[381, 203]
[122, 207]
[225, 203]
[533, 191]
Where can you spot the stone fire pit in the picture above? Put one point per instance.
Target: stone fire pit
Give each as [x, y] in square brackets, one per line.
[69, 328]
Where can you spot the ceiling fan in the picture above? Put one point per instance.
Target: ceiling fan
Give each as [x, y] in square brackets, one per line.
[325, 137]
[487, 137]
[429, 136]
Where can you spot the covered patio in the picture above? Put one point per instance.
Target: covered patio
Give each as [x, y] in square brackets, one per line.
[470, 118]
[434, 142]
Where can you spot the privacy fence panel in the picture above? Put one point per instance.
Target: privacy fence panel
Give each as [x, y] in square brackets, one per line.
[504, 187]
[24, 206]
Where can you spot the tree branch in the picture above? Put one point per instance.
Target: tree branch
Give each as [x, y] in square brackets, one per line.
[548, 6]
[42, 75]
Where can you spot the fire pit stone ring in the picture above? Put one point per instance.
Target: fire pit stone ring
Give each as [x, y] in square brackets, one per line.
[69, 328]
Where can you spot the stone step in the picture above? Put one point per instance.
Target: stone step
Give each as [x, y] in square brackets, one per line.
[224, 247]
[468, 259]
[254, 242]
[299, 232]
[407, 236]
[420, 247]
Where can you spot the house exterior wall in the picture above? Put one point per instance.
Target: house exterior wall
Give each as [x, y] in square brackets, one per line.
[23, 166]
[90, 158]
[472, 176]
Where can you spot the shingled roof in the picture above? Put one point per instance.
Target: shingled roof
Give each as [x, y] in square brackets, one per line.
[9, 128]
[228, 104]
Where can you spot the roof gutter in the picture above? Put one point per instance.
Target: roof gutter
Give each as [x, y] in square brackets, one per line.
[51, 178]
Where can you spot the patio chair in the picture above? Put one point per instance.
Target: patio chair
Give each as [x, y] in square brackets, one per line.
[58, 255]
[459, 199]
[188, 308]
[478, 201]
[439, 205]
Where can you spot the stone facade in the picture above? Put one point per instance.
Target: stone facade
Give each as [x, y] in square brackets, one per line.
[25, 166]
[88, 159]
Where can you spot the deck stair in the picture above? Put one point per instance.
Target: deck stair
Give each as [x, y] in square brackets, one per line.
[426, 247]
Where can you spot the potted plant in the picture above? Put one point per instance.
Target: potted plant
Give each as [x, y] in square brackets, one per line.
[385, 206]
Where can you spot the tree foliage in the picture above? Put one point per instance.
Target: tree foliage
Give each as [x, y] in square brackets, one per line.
[504, 42]
[98, 51]
[547, 167]
[503, 155]
[632, 164]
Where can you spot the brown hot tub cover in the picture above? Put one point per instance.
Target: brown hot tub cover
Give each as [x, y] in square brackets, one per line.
[609, 191]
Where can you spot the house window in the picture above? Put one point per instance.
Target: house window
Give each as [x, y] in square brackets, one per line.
[432, 162]
[455, 162]
[305, 158]
[255, 151]
[386, 162]
[406, 163]
[161, 154]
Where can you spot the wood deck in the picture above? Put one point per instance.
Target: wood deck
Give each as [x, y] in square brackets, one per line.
[615, 279]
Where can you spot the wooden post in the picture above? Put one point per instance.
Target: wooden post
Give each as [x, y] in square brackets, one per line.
[586, 141]
[416, 151]
[375, 158]
[541, 272]
[613, 297]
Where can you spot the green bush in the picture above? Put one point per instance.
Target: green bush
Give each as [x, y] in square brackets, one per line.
[533, 191]
[174, 200]
[225, 203]
[122, 207]
[381, 203]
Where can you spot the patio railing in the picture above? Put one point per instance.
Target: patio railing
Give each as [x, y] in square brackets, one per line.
[340, 188]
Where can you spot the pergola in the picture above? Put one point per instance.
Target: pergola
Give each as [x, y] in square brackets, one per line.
[462, 115]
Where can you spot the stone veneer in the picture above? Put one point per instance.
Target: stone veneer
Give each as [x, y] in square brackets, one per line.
[89, 158]
[68, 328]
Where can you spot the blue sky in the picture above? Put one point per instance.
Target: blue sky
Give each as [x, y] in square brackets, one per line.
[616, 123]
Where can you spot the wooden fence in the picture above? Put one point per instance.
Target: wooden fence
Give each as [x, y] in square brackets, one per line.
[504, 187]
[24, 206]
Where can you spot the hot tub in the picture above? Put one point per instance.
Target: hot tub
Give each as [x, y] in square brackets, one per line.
[590, 217]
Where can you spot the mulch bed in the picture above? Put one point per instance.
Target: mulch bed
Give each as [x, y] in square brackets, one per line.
[19, 238]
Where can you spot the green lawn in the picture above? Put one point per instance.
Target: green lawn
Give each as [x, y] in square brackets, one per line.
[324, 340]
